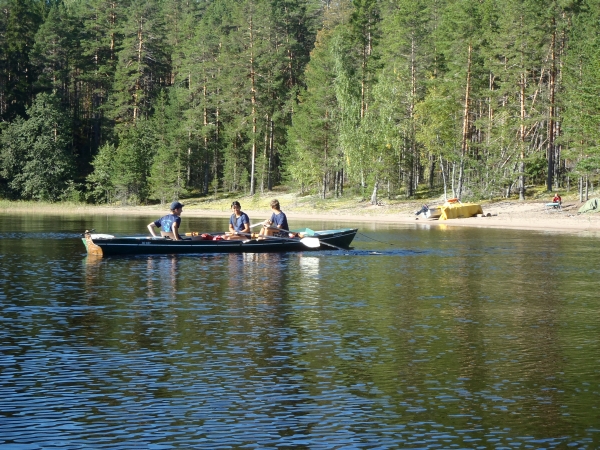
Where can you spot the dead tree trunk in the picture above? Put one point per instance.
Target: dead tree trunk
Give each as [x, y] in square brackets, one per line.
[465, 129]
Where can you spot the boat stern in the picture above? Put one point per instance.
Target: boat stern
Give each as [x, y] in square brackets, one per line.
[91, 248]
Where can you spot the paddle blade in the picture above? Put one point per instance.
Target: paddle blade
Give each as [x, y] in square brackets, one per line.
[311, 242]
[101, 236]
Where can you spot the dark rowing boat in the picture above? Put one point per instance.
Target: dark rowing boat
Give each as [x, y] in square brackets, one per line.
[106, 244]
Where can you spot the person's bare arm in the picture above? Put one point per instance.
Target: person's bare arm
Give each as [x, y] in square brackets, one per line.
[151, 229]
[175, 229]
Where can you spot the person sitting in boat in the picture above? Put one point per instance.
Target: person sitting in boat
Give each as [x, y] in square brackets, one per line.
[169, 224]
[239, 223]
[557, 199]
[277, 225]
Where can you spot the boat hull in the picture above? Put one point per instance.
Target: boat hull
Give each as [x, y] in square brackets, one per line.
[433, 213]
[143, 245]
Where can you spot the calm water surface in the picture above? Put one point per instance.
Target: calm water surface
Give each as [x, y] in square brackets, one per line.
[417, 338]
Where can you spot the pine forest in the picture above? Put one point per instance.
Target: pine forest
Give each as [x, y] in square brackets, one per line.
[141, 101]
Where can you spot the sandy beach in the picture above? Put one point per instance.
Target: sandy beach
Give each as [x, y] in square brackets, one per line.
[509, 214]
[521, 215]
[506, 214]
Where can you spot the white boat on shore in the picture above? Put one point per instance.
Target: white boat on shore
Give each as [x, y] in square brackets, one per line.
[433, 213]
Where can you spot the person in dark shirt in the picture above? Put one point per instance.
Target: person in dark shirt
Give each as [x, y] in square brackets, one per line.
[239, 222]
[169, 224]
[277, 221]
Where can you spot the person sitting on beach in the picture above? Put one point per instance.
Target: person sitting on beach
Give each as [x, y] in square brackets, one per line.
[239, 223]
[169, 224]
[557, 199]
[423, 210]
[278, 221]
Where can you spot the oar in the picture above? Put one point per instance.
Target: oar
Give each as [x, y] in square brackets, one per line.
[330, 245]
[310, 242]
[324, 243]
[257, 224]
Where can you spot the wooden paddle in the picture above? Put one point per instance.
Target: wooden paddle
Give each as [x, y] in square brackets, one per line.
[257, 224]
[324, 243]
[307, 241]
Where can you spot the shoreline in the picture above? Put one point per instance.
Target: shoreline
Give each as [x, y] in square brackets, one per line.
[531, 215]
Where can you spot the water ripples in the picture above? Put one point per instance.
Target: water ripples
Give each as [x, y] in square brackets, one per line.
[419, 346]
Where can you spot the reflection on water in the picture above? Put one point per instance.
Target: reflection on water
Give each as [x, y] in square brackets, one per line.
[309, 269]
[417, 338]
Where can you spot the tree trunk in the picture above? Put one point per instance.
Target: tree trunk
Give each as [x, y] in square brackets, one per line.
[453, 180]
[444, 177]
[137, 81]
[431, 170]
[465, 130]
[413, 95]
[270, 167]
[335, 183]
[253, 93]
[374, 194]
[551, 162]
[522, 140]
[113, 21]
[215, 158]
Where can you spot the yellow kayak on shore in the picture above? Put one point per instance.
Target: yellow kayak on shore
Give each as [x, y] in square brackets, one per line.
[459, 210]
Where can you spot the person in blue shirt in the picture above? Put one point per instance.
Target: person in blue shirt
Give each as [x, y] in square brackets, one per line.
[169, 224]
[277, 221]
[239, 222]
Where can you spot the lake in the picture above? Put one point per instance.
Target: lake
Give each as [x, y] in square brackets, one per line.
[419, 337]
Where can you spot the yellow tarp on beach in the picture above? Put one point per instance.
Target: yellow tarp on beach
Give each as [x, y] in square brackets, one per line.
[459, 210]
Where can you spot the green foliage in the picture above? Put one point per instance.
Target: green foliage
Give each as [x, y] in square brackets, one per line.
[19, 22]
[313, 136]
[165, 177]
[581, 101]
[142, 63]
[36, 155]
[536, 169]
[73, 192]
[166, 181]
[133, 159]
[387, 128]
[54, 48]
[164, 97]
[100, 185]
[437, 126]
[348, 98]
[122, 173]
[95, 60]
